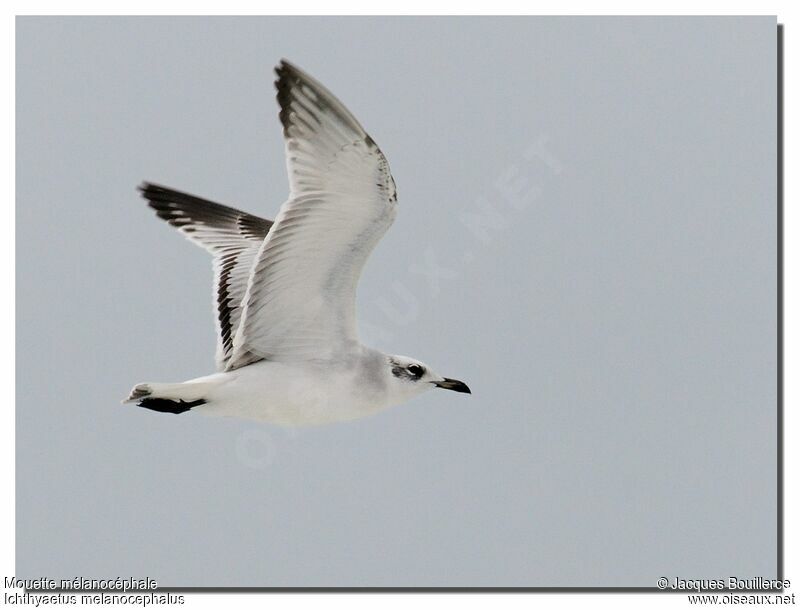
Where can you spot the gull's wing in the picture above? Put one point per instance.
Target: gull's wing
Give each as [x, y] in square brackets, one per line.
[233, 237]
[300, 301]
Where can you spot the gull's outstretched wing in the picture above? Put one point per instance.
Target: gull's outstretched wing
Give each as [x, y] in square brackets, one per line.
[300, 301]
[233, 237]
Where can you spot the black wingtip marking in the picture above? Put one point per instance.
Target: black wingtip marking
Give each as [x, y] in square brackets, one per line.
[287, 79]
[163, 405]
[298, 88]
[185, 211]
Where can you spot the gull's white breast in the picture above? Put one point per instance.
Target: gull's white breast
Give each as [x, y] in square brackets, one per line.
[301, 393]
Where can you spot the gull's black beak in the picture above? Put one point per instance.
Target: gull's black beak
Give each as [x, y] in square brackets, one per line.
[453, 384]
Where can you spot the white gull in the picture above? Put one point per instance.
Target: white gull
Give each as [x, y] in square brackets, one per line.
[288, 350]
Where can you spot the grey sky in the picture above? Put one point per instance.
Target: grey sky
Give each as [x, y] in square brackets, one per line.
[617, 326]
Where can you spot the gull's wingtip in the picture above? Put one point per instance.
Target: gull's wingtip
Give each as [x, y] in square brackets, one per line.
[147, 189]
[151, 192]
[288, 70]
[287, 64]
[284, 66]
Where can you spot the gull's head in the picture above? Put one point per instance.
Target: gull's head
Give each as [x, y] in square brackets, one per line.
[410, 377]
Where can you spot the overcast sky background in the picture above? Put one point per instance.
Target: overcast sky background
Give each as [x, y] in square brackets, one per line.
[616, 319]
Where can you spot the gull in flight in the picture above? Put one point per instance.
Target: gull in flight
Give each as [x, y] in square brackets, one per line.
[288, 351]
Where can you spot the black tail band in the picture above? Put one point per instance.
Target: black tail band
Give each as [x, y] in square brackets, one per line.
[164, 405]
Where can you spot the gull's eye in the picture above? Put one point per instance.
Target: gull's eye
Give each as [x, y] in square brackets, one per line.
[415, 370]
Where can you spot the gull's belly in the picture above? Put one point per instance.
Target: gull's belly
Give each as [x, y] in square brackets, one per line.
[295, 395]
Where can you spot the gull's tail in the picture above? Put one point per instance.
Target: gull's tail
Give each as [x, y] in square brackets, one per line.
[170, 397]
